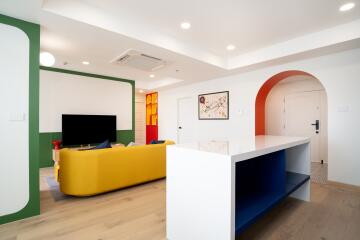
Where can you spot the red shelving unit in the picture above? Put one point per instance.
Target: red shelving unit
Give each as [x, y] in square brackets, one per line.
[151, 117]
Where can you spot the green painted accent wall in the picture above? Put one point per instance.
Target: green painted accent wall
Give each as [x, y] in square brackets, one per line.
[45, 153]
[33, 32]
[123, 136]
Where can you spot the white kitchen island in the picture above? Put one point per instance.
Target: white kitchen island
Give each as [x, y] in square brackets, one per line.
[217, 189]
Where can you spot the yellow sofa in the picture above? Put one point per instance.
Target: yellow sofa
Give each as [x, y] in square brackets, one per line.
[90, 172]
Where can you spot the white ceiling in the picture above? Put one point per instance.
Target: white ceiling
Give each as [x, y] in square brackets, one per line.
[262, 31]
[248, 24]
[74, 42]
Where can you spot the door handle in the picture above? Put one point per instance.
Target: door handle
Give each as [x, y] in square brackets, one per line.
[317, 125]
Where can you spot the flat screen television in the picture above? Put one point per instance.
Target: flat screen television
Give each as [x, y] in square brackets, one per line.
[88, 129]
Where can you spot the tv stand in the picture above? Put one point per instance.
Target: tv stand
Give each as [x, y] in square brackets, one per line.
[85, 146]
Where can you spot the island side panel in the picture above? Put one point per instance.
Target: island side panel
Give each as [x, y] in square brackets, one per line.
[298, 160]
[200, 195]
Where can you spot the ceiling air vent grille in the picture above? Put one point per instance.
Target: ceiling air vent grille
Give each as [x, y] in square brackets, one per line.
[135, 59]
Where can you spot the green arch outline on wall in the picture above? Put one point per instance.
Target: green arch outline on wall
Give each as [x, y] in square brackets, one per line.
[32, 30]
[45, 138]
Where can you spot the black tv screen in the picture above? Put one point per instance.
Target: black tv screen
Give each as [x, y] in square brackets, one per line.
[88, 129]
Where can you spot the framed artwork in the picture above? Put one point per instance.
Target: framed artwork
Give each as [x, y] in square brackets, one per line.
[214, 106]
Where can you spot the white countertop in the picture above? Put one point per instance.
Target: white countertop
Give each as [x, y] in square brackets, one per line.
[245, 148]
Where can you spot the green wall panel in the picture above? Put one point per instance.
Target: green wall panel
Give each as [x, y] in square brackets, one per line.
[33, 32]
[123, 136]
[45, 153]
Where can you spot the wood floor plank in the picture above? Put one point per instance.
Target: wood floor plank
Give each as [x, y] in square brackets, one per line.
[138, 213]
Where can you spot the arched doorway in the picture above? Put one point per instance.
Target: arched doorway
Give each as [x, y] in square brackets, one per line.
[294, 103]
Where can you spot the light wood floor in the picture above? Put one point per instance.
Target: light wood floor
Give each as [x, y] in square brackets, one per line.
[139, 213]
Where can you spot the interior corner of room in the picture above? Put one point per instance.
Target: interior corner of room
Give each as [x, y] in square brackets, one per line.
[167, 120]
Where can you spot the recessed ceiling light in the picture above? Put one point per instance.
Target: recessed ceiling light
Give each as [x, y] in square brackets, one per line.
[152, 75]
[47, 59]
[141, 91]
[185, 25]
[230, 47]
[347, 7]
[85, 62]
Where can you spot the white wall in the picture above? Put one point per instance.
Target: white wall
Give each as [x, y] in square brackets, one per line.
[340, 76]
[62, 93]
[274, 107]
[14, 116]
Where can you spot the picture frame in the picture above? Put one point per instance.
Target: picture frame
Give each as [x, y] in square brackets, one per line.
[213, 106]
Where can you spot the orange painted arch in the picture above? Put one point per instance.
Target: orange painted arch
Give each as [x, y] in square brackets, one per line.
[264, 92]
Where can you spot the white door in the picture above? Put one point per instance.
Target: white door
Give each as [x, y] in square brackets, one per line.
[140, 118]
[186, 119]
[140, 122]
[302, 112]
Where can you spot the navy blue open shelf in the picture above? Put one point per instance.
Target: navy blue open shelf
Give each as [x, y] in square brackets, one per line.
[261, 183]
[294, 181]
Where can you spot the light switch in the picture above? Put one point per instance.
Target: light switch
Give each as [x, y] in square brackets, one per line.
[17, 117]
